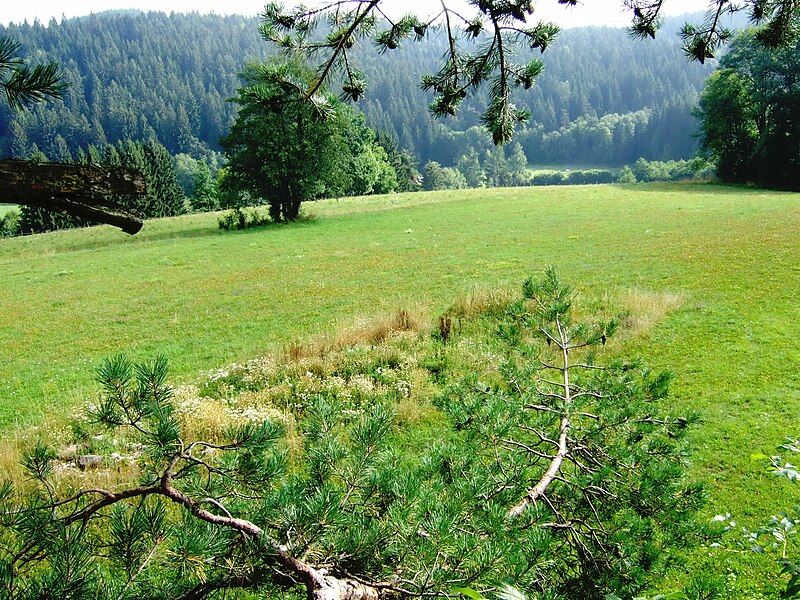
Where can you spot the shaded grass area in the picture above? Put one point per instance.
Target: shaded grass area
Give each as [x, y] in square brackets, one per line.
[206, 298]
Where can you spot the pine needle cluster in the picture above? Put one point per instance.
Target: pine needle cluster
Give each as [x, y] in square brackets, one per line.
[553, 467]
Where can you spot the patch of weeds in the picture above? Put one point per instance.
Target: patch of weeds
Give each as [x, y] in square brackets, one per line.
[436, 365]
[444, 329]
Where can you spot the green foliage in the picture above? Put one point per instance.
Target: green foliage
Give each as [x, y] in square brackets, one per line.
[549, 468]
[673, 170]
[626, 175]
[402, 161]
[191, 62]
[748, 113]
[205, 195]
[9, 223]
[370, 169]
[460, 72]
[202, 174]
[164, 197]
[176, 92]
[489, 50]
[778, 536]
[727, 126]
[517, 164]
[283, 152]
[437, 177]
[22, 85]
[469, 166]
[589, 176]
[497, 169]
[572, 177]
[243, 218]
[706, 247]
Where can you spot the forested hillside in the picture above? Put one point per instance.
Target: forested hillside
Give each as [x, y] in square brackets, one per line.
[603, 98]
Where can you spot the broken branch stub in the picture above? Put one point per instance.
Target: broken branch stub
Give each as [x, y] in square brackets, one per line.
[78, 190]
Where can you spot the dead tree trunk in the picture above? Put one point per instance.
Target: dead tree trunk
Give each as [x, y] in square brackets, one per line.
[78, 190]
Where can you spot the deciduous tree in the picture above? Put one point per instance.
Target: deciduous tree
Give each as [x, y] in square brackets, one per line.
[748, 113]
[281, 151]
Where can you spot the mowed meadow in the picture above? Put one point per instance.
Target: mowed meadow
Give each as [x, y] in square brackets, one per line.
[712, 272]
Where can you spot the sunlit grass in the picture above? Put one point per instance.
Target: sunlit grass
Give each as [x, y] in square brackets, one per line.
[709, 274]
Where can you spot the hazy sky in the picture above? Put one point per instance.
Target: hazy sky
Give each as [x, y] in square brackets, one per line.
[588, 12]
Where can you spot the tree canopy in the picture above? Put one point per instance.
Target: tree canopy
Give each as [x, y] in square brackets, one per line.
[749, 113]
[282, 151]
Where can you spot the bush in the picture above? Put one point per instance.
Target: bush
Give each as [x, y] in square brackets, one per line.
[549, 178]
[243, 218]
[437, 177]
[672, 170]
[9, 224]
[626, 175]
[577, 177]
[589, 177]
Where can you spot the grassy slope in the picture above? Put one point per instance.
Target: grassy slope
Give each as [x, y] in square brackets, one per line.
[206, 298]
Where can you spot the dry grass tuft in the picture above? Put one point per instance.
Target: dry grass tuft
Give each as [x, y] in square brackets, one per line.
[209, 419]
[643, 309]
[481, 302]
[10, 452]
[378, 331]
[362, 332]
[295, 351]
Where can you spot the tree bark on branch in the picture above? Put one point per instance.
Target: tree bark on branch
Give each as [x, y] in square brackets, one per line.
[78, 190]
[538, 490]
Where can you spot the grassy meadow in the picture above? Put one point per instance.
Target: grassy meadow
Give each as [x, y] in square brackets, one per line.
[716, 268]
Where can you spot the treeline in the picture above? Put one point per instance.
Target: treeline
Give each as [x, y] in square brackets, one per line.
[133, 75]
[363, 163]
[499, 168]
[603, 98]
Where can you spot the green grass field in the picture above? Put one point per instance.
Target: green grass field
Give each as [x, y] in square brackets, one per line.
[206, 298]
[4, 208]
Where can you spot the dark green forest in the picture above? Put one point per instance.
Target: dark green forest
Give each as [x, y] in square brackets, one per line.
[603, 98]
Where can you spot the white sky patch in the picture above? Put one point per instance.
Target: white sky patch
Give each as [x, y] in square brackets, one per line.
[588, 12]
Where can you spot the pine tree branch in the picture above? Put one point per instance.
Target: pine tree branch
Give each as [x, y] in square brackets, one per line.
[319, 585]
[25, 85]
[538, 490]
